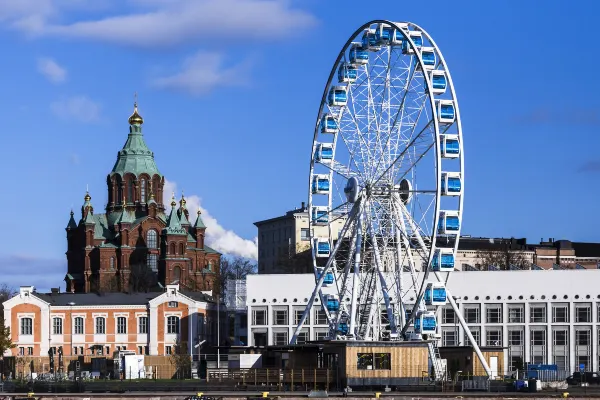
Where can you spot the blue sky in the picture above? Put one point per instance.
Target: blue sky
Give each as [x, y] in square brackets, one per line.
[229, 90]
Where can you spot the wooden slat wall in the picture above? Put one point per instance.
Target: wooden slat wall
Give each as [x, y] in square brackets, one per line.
[406, 361]
[478, 368]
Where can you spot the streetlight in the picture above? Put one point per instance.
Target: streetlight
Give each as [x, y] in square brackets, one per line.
[71, 303]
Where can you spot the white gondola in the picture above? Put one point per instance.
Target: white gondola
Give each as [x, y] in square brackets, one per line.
[446, 112]
[320, 184]
[369, 40]
[338, 96]
[324, 153]
[417, 39]
[451, 184]
[385, 34]
[435, 294]
[332, 302]
[329, 124]
[439, 82]
[358, 55]
[450, 147]
[443, 260]
[322, 247]
[449, 223]
[328, 280]
[320, 215]
[425, 323]
[347, 73]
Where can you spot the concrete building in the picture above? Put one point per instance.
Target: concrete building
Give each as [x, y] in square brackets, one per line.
[99, 324]
[536, 316]
[284, 242]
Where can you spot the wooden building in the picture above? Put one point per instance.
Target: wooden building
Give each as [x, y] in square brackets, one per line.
[464, 361]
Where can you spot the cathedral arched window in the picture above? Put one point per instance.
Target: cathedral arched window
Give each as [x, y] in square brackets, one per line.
[176, 274]
[119, 194]
[209, 266]
[180, 248]
[152, 239]
[112, 263]
[172, 248]
[143, 191]
[130, 190]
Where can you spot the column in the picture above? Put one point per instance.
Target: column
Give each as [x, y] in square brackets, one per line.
[153, 345]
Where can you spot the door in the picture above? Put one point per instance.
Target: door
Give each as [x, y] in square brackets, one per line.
[494, 367]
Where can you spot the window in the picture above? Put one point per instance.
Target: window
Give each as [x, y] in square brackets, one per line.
[26, 326]
[173, 324]
[143, 325]
[560, 313]
[152, 239]
[152, 262]
[537, 313]
[280, 317]
[181, 248]
[173, 304]
[515, 337]
[130, 190]
[57, 326]
[302, 337]
[143, 190]
[168, 350]
[75, 350]
[472, 314]
[209, 266]
[107, 350]
[516, 314]
[583, 337]
[321, 335]
[21, 351]
[100, 325]
[298, 316]
[383, 361]
[176, 274]
[493, 337]
[320, 317]
[476, 332]
[121, 325]
[560, 337]
[449, 337]
[30, 351]
[304, 234]
[494, 314]
[259, 317]
[280, 338]
[111, 264]
[583, 312]
[538, 337]
[448, 316]
[78, 326]
[364, 361]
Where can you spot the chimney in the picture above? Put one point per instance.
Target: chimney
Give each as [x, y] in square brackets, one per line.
[55, 290]
[303, 205]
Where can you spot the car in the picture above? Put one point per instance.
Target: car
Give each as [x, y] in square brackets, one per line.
[577, 378]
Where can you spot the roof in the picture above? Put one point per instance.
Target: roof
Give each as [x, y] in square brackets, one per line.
[135, 157]
[109, 299]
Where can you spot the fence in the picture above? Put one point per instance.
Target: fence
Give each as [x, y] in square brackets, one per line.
[292, 379]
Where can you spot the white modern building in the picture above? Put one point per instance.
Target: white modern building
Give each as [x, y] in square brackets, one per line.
[537, 316]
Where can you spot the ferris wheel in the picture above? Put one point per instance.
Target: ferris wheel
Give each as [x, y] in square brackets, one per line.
[386, 187]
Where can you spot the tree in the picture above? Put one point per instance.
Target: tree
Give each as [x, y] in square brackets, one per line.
[299, 262]
[233, 268]
[181, 360]
[6, 292]
[141, 278]
[503, 258]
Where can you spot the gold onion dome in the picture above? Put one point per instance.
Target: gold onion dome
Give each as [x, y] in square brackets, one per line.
[173, 202]
[136, 118]
[87, 196]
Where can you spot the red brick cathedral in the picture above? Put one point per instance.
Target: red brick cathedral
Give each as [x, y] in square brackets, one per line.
[136, 245]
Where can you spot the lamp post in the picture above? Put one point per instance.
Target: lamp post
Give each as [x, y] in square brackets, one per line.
[71, 304]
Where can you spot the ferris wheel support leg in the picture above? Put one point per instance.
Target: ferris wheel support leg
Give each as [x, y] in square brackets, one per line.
[319, 284]
[399, 273]
[356, 274]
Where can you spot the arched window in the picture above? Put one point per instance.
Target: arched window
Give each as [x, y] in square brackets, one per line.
[176, 274]
[151, 239]
[181, 248]
[209, 266]
[152, 262]
[26, 326]
[119, 194]
[173, 324]
[78, 326]
[130, 190]
[172, 248]
[112, 263]
[143, 191]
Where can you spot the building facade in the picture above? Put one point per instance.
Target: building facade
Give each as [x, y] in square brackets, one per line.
[137, 243]
[534, 316]
[92, 324]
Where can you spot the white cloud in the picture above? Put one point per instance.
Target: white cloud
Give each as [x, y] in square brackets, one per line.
[203, 72]
[219, 238]
[164, 23]
[78, 108]
[51, 70]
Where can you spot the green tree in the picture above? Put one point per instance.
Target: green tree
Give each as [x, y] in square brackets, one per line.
[6, 343]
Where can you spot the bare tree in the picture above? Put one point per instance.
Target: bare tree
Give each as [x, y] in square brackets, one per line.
[181, 360]
[298, 262]
[233, 268]
[503, 259]
[109, 285]
[141, 278]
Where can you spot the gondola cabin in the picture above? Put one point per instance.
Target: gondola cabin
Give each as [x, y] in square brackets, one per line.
[435, 294]
[320, 215]
[428, 57]
[446, 112]
[347, 73]
[384, 34]
[332, 302]
[328, 280]
[369, 40]
[358, 55]
[322, 247]
[443, 260]
[343, 328]
[324, 153]
[320, 184]
[439, 82]
[451, 184]
[328, 124]
[416, 38]
[450, 147]
[338, 96]
[425, 323]
[449, 223]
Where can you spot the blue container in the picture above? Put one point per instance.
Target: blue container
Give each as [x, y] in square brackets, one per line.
[452, 146]
[358, 54]
[447, 111]
[454, 185]
[439, 295]
[439, 82]
[347, 73]
[333, 305]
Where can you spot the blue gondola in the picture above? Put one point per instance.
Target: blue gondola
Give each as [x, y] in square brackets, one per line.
[384, 34]
[343, 328]
[347, 73]
[451, 184]
[358, 55]
[443, 261]
[425, 323]
[428, 57]
[450, 146]
[328, 124]
[320, 184]
[338, 96]
[324, 153]
[369, 41]
[417, 39]
[446, 113]
[448, 223]
[328, 277]
[320, 215]
[435, 294]
[332, 303]
[439, 82]
[323, 248]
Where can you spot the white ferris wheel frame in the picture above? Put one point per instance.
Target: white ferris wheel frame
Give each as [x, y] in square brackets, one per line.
[356, 212]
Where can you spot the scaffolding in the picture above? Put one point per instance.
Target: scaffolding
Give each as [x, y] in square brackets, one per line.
[235, 294]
